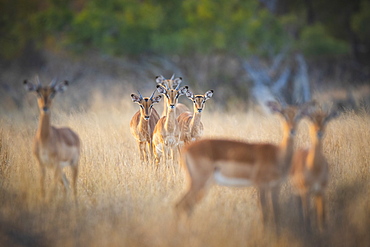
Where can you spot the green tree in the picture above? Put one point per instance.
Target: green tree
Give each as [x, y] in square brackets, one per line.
[341, 22]
[16, 26]
[232, 26]
[115, 27]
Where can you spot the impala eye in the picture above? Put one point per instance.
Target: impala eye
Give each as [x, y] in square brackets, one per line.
[142, 106]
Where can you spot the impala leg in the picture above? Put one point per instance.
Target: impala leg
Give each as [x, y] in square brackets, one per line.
[64, 181]
[157, 155]
[165, 155]
[299, 203]
[319, 211]
[141, 146]
[193, 195]
[263, 205]
[174, 159]
[186, 203]
[42, 181]
[275, 193]
[150, 148]
[145, 153]
[198, 184]
[179, 151]
[74, 180]
[59, 176]
[306, 210]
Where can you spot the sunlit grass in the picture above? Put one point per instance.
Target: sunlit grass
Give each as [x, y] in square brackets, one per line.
[122, 202]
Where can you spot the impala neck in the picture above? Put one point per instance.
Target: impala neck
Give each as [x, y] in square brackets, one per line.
[286, 139]
[286, 145]
[43, 132]
[315, 147]
[195, 121]
[171, 119]
[143, 124]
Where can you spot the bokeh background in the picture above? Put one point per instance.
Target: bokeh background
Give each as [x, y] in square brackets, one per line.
[232, 45]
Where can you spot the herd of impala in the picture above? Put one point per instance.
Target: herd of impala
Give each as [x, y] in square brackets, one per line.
[177, 136]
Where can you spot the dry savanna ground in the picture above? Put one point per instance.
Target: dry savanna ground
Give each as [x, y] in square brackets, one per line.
[122, 202]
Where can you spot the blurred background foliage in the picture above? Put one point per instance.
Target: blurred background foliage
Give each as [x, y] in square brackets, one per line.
[209, 36]
[131, 27]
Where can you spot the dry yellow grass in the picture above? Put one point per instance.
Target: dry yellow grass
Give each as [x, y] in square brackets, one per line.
[124, 203]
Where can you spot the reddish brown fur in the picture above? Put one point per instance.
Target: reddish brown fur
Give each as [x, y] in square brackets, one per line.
[143, 123]
[54, 147]
[261, 165]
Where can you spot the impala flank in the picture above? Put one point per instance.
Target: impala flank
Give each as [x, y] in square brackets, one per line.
[237, 163]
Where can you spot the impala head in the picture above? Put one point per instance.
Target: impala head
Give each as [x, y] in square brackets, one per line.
[199, 100]
[290, 114]
[320, 118]
[45, 94]
[146, 103]
[168, 83]
[172, 95]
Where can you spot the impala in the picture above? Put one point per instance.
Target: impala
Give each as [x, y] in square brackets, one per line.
[238, 163]
[53, 147]
[166, 132]
[191, 126]
[143, 122]
[171, 84]
[309, 173]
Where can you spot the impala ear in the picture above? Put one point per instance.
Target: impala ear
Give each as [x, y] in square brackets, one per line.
[183, 90]
[161, 89]
[156, 99]
[274, 106]
[135, 98]
[208, 94]
[307, 109]
[177, 81]
[159, 79]
[29, 86]
[189, 94]
[61, 87]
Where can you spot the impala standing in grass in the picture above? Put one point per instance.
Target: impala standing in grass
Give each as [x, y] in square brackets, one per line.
[310, 172]
[53, 147]
[237, 163]
[143, 122]
[191, 126]
[166, 132]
